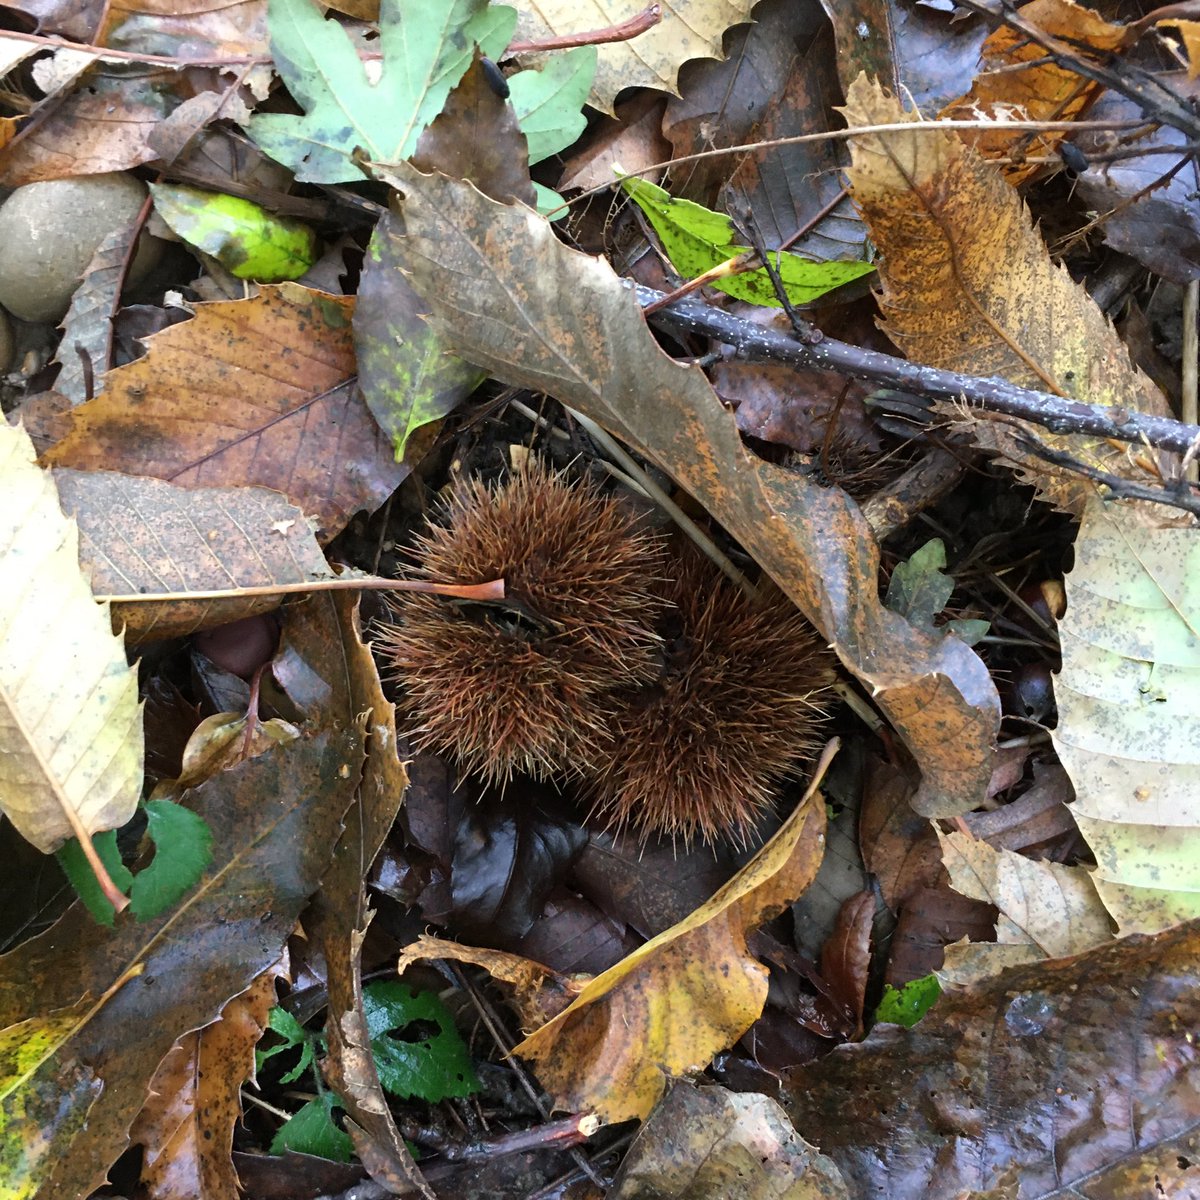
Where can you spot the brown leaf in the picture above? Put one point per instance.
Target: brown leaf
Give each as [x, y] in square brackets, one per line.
[846, 955]
[199, 29]
[325, 638]
[274, 819]
[476, 137]
[102, 127]
[707, 1143]
[509, 296]
[187, 1123]
[943, 219]
[139, 534]
[257, 391]
[1017, 74]
[1076, 1075]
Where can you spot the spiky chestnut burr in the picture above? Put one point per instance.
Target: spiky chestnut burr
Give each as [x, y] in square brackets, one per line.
[701, 752]
[528, 685]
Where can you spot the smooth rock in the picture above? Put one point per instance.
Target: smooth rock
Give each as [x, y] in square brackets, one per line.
[49, 232]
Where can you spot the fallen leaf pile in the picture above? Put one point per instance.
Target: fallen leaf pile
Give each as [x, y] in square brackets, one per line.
[874, 322]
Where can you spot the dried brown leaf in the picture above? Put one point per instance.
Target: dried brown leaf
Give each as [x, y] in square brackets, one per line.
[257, 391]
[142, 535]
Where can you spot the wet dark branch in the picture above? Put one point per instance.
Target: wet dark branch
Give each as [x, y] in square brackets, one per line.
[1054, 413]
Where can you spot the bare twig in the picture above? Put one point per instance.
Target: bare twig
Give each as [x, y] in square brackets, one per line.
[1055, 413]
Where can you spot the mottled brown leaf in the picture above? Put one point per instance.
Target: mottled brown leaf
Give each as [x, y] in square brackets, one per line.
[257, 391]
[138, 534]
[1076, 1076]
[274, 819]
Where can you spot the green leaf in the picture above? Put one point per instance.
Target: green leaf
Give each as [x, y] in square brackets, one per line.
[313, 1131]
[243, 237]
[907, 1006]
[697, 239]
[411, 1061]
[407, 375]
[919, 589]
[83, 880]
[427, 46]
[294, 1036]
[182, 849]
[549, 102]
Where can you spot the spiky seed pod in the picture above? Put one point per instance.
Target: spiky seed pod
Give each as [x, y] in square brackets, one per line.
[702, 751]
[528, 684]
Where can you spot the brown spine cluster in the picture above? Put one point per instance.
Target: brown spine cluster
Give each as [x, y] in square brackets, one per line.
[530, 684]
[682, 702]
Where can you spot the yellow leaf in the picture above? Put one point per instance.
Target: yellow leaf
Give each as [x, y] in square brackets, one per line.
[673, 1003]
[70, 722]
[1017, 75]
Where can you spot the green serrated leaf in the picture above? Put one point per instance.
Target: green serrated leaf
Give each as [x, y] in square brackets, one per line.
[295, 1036]
[907, 1006]
[427, 46]
[182, 849]
[549, 101]
[243, 237]
[313, 1131]
[409, 1063]
[83, 880]
[696, 239]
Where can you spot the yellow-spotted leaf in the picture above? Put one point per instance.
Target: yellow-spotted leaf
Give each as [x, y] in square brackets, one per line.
[70, 722]
[246, 239]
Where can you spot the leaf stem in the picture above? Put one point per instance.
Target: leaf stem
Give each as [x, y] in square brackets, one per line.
[492, 590]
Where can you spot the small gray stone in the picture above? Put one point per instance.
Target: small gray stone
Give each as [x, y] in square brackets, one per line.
[49, 232]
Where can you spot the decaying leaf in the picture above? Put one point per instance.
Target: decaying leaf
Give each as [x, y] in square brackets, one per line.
[676, 1001]
[1047, 909]
[257, 391]
[1073, 1076]
[943, 219]
[1129, 714]
[507, 295]
[712, 1144]
[324, 655]
[274, 819]
[408, 376]
[194, 1100]
[143, 535]
[1017, 75]
[70, 724]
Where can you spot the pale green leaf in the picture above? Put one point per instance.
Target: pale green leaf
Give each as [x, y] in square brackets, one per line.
[548, 102]
[427, 46]
[182, 849]
[1129, 713]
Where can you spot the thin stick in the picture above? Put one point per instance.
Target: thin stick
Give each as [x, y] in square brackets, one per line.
[611, 446]
[493, 590]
